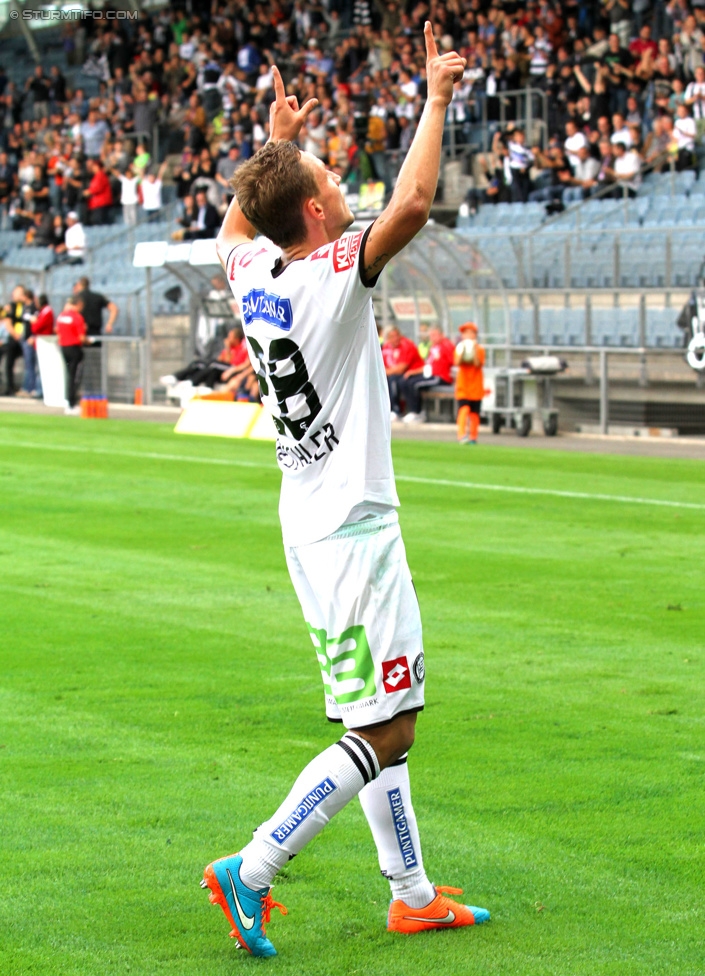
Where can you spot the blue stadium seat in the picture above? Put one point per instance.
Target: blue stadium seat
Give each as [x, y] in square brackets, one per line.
[661, 328]
[522, 325]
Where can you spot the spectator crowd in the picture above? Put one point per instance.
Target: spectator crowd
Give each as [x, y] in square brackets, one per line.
[28, 317]
[624, 82]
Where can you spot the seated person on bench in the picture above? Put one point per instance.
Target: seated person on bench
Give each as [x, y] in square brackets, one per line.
[202, 372]
[433, 374]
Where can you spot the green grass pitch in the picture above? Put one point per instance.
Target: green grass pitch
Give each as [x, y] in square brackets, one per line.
[159, 692]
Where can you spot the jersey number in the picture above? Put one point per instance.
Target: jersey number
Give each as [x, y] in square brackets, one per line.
[285, 371]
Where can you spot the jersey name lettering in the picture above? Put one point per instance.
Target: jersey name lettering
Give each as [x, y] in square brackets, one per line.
[262, 306]
[321, 442]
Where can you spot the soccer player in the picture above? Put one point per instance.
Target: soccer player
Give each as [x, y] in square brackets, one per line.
[305, 296]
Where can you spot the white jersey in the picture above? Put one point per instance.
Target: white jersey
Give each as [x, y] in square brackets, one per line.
[313, 343]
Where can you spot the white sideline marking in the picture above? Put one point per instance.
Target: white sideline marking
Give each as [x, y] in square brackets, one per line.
[554, 492]
[438, 482]
[151, 455]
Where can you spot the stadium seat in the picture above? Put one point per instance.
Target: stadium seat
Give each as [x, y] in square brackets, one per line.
[661, 328]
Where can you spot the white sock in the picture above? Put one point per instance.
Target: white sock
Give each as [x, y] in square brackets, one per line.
[390, 814]
[324, 787]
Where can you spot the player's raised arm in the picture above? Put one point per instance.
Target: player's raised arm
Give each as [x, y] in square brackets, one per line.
[285, 121]
[415, 188]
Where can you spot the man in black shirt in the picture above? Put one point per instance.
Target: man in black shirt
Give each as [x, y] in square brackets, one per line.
[40, 191]
[38, 85]
[57, 88]
[14, 322]
[93, 305]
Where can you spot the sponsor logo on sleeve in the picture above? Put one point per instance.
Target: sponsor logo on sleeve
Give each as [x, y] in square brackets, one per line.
[345, 251]
[401, 828]
[321, 253]
[259, 305]
[243, 259]
[304, 810]
[419, 668]
[396, 675]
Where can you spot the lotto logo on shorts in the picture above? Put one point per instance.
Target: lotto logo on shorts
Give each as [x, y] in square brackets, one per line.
[396, 675]
[345, 251]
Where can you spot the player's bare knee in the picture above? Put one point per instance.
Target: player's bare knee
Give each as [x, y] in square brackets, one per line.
[408, 737]
[391, 740]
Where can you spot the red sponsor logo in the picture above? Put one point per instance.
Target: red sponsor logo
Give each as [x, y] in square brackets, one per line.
[396, 675]
[245, 260]
[345, 251]
[322, 252]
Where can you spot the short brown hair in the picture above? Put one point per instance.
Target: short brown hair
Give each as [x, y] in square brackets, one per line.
[271, 189]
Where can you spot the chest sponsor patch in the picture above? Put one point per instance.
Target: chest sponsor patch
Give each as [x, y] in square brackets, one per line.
[259, 305]
[345, 251]
[396, 675]
[304, 810]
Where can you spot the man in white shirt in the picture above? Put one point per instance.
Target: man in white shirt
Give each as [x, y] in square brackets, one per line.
[695, 94]
[583, 179]
[684, 130]
[233, 89]
[620, 131]
[314, 136]
[264, 79]
[626, 169]
[151, 187]
[73, 250]
[575, 140]
[306, 308]
[129, 197]
[521, 160]
[187, 48]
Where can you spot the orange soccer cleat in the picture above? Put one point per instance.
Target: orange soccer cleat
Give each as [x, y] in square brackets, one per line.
[442, 913]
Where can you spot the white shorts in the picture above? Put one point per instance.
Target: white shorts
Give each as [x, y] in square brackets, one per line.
[360, 606]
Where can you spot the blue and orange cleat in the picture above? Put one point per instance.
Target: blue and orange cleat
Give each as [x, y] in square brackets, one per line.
[248, 911]
[442, 913]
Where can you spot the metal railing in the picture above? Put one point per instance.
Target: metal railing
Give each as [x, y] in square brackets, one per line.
[521, 104]
[608, 192]
[624, 318]
[116, 368]
[630, 369]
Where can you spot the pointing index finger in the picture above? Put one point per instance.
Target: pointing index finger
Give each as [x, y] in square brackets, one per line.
[431, 49]
[279, 92]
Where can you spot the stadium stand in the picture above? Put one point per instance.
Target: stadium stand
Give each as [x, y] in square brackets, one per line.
[187, 86]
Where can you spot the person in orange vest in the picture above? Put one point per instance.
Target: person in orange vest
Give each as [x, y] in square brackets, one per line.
[469, 383]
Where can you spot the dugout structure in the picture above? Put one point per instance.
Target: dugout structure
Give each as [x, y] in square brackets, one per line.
[440, 279]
